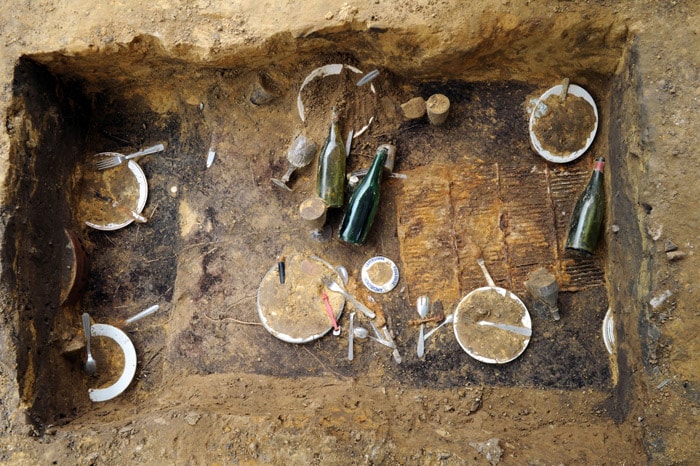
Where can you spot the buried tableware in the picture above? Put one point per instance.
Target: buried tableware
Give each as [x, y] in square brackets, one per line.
[113, 199]
[423, 307]
[300, 153]
[448, 320]
[127, 375]
[380, 274]
[335, 287]
[492, 324]
[296, 311]
[90, 363]
[360, 332]
[105, 160]
[563, 123]
[142, 314]
[510, 328]
[351, 336]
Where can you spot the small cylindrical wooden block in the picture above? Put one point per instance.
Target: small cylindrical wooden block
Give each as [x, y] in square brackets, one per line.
[313, 211]
[438, 107]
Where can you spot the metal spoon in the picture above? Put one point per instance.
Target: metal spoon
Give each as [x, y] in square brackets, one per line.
[90, 364]
[362, 333]
[423, 307]
[448, 320]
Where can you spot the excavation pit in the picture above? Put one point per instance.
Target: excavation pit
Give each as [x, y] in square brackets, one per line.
[473, 188]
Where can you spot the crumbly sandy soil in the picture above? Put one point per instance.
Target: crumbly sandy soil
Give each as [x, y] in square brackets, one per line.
[212, 386]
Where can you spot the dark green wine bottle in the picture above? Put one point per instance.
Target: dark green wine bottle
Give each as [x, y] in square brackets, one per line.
[587, 217]
[364, 202]
[330, 172]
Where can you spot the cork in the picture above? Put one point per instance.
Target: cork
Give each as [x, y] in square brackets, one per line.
[438, 106]
[414, 108]
[390, 159]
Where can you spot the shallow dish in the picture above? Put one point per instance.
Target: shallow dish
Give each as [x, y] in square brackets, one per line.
[294, 311]
[74, 269]
[109, 199]
[487, 343]
[541, 110]
[107, 393]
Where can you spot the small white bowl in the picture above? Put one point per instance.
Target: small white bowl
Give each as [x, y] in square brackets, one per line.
[540, 109]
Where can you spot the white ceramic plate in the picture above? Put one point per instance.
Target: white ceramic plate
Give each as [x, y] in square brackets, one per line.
[140, 180]
[295, 311]
[107, 393]
[540, 109]
[525, 322]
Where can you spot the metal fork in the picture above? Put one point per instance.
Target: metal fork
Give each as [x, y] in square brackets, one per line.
[112, 159]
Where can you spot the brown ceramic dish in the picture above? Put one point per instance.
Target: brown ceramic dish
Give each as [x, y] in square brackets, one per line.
[74, 269]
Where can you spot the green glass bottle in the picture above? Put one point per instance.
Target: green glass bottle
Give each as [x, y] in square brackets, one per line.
[330, 172]
[364, 202]
[587, 217]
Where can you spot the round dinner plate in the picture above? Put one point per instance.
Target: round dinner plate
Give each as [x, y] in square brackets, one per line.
[295, 311]
[108, 197]
[121, 338]
[487, 343]
[540, 110]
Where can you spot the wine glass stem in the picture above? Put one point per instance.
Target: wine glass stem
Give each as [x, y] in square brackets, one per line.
[288, 175]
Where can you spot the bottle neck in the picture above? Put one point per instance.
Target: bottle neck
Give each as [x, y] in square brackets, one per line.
[378, 164]
[599, 164]
[334, 130]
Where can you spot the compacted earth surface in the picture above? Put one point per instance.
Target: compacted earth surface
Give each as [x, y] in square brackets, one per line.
[236, 367]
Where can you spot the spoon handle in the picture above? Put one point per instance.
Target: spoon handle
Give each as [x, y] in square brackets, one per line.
[389, 339]
[447, 320]
[421, 341]
[358, 305]
[142, 314]
[87, 329]
[487, 275]
[510, 328]
[351, 336]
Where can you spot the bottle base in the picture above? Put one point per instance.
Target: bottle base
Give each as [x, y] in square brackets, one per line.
[580, 251]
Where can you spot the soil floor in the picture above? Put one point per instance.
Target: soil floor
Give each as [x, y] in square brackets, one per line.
[213, 385]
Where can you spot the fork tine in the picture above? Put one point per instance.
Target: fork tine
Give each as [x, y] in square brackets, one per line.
[106, 163]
